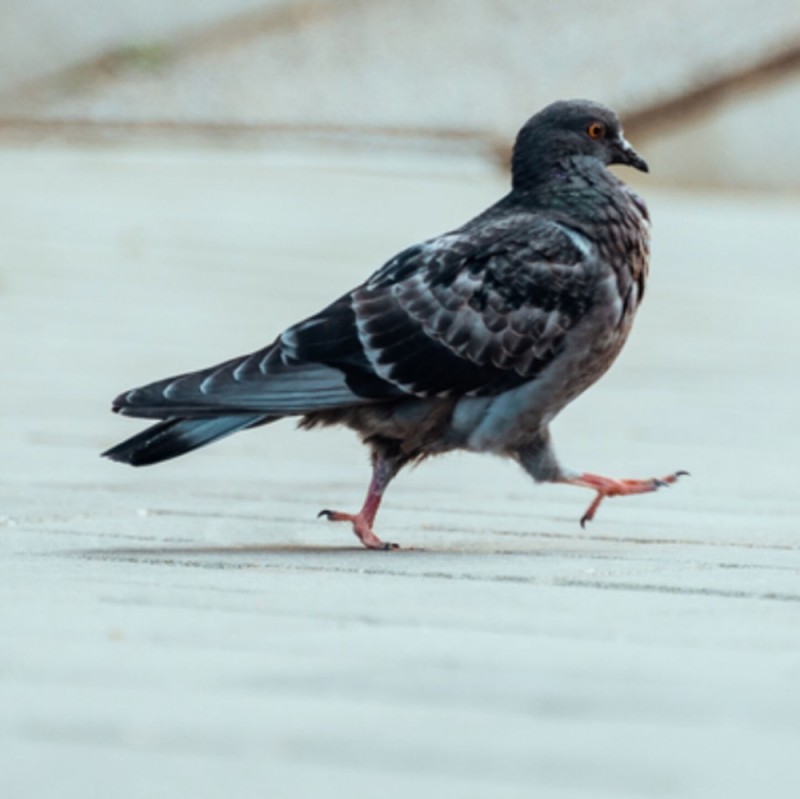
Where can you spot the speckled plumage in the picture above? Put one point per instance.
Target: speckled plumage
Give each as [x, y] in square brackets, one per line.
[472, 340]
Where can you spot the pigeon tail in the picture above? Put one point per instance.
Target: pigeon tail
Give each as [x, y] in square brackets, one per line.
[173, 437]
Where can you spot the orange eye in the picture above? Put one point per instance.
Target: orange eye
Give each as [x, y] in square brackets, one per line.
[596, 130]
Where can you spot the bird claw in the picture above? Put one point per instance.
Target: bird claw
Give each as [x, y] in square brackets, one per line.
[609, 487]
[361, 528]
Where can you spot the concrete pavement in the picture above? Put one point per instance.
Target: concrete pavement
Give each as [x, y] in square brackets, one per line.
[193, 629]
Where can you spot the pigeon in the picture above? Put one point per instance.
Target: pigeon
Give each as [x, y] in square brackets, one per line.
[473, 340]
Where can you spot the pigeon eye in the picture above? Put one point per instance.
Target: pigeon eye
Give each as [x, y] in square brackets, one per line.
[596, 130]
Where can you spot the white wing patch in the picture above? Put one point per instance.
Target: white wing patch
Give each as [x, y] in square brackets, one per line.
[581, 242]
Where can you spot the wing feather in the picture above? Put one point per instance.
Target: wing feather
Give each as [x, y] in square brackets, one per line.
[475, 311]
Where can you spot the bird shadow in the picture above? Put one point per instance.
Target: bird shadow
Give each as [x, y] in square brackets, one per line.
[172, 552]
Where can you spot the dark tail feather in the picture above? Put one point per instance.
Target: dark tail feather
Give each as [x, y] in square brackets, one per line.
[174, 437]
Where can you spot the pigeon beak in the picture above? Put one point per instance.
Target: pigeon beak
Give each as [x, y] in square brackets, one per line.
[623, 153]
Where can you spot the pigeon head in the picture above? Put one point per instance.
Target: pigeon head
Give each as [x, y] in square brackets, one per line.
[566, 129]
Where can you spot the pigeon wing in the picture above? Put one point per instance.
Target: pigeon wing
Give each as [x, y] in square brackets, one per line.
[475, 311]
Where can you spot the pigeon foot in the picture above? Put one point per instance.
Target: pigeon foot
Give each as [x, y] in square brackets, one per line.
[361, 527]
[610, 487]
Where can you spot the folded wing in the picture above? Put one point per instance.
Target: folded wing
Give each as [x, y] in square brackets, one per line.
[476, 311]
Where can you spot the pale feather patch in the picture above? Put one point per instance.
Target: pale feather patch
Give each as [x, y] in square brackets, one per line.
[581, 243]
[502, 420]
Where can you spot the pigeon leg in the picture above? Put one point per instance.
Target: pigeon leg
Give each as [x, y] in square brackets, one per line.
[609, 487]
[382, 473]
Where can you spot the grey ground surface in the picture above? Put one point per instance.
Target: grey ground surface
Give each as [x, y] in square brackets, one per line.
[193, 630]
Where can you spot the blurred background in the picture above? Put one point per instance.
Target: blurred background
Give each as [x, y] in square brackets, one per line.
[709, 89]
[181, 179]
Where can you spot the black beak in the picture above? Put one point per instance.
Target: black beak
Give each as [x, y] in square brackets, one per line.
[623, 153]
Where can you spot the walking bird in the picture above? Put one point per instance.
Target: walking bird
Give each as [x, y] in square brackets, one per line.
[472, 340]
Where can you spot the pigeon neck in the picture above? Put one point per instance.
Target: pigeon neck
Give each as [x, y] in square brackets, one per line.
[566, 184]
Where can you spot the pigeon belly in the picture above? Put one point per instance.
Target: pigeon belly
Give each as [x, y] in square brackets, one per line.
[505, 423]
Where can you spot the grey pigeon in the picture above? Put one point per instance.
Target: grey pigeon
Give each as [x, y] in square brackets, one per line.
[472, 340]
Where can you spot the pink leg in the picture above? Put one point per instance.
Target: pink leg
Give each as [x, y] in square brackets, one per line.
[609, 487]
[382, 473]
